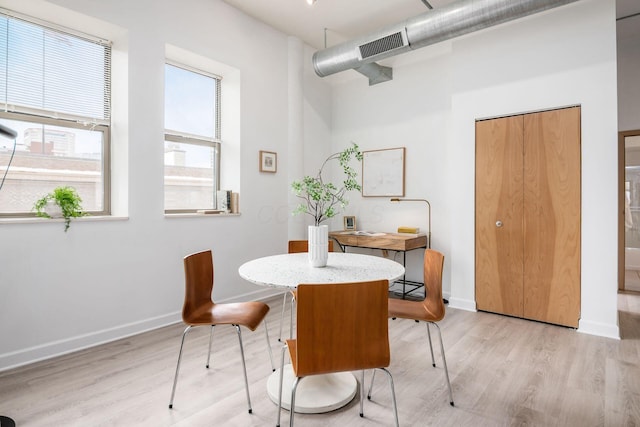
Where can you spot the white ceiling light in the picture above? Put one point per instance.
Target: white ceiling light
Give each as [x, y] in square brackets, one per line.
[311, 2]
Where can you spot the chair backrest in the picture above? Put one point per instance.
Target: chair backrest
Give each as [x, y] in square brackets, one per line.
[296, 246]
[342, 327]
[433, 265]
[198, 280]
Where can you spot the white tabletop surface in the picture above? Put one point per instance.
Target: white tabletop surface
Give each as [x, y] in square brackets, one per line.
[290, 270]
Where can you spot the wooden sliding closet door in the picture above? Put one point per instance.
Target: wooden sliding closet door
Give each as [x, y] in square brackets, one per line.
[499, 204]
[528, 216]
[552, 216]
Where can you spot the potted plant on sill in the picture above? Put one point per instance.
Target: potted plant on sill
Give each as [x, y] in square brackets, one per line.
[322, 200]
[62, 202]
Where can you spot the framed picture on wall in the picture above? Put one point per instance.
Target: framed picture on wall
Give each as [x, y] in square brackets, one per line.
[349, 222]
[268, 161]
[383, 173]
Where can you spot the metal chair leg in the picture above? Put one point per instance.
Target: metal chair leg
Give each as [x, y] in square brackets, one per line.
[362, 394]
[373, 377]
[393, 396]
[284, 305]
[210, 340]
[284, 347]
[293, 400]
[444, 362]
[244, 368]
[175, 378]
[393, 393]
[293, 309]
[433, 360]
[266, 332]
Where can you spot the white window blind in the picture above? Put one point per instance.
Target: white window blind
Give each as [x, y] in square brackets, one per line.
[49, 72]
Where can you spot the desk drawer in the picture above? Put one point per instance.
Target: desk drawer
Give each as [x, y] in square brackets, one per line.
[348, 240]
[382, 243]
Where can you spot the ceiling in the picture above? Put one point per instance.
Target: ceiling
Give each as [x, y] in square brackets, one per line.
[348, 19]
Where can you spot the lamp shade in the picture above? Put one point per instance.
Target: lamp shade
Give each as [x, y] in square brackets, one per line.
[8, 132]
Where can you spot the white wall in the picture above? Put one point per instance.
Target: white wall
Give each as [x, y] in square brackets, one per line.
[106, 279]
[562, 57]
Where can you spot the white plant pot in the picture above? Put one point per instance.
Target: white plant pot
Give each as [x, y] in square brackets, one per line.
[318, 245]
[53, 209]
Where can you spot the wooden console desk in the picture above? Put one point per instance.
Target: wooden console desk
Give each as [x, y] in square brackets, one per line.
[390, 241]
[400, 242]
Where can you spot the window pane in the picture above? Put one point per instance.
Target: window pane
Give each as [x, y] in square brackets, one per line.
[189, 181]
[190, 100]
[49, 156]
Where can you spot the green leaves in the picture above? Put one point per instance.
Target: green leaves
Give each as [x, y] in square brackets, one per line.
[322, 199]
[68, 200]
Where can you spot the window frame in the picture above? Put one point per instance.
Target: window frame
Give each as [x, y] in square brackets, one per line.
[45, 117]
[215, 142]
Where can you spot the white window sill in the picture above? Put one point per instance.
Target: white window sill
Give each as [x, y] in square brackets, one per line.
[199, 215]
[36, 220]
[92, 218]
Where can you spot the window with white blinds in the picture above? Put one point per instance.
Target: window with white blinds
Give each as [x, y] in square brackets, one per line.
[55, 92]
[44, 71]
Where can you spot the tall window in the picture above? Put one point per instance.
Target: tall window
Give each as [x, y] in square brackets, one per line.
[55, 94]
[192, 139]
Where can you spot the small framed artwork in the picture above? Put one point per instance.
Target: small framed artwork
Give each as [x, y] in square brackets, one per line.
[268, 161]
[350, 223]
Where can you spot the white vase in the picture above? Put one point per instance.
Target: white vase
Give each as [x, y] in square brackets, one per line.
[53, 209]
[318, 245]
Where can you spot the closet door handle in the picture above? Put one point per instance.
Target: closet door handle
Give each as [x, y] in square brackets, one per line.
[498, 223]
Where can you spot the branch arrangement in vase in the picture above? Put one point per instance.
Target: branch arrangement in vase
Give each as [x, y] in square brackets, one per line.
[322, 200]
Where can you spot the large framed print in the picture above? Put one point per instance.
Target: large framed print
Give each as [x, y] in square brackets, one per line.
[383, 172]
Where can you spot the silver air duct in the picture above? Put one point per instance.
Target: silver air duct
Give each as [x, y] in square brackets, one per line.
[456, 19]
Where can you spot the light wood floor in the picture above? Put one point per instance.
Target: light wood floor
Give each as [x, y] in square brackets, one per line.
[504, 371]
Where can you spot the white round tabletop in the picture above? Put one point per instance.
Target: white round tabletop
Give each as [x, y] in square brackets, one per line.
[290, 270]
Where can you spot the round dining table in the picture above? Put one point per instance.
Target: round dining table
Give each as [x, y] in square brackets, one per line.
[318, 393]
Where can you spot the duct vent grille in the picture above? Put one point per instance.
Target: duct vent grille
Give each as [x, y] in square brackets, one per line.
[381, 45]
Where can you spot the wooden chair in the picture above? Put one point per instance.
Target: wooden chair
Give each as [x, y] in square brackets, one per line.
[324, 345]
[295, 246]
[431, 310]
[199, 309]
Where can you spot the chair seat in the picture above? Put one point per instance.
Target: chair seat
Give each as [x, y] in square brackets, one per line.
[249, 314]
[406, 309]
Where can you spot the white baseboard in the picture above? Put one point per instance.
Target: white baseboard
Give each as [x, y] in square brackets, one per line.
[462, 304]
[599, 329]
[69, 345]
[80, 342]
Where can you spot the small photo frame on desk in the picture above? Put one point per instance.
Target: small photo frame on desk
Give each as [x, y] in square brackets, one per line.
[350, 223]
[268, 161]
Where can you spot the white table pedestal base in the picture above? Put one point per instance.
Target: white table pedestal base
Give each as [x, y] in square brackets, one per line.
[316, 394]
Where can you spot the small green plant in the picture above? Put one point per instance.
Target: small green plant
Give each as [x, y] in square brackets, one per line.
[321, 199]
[68, 201]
